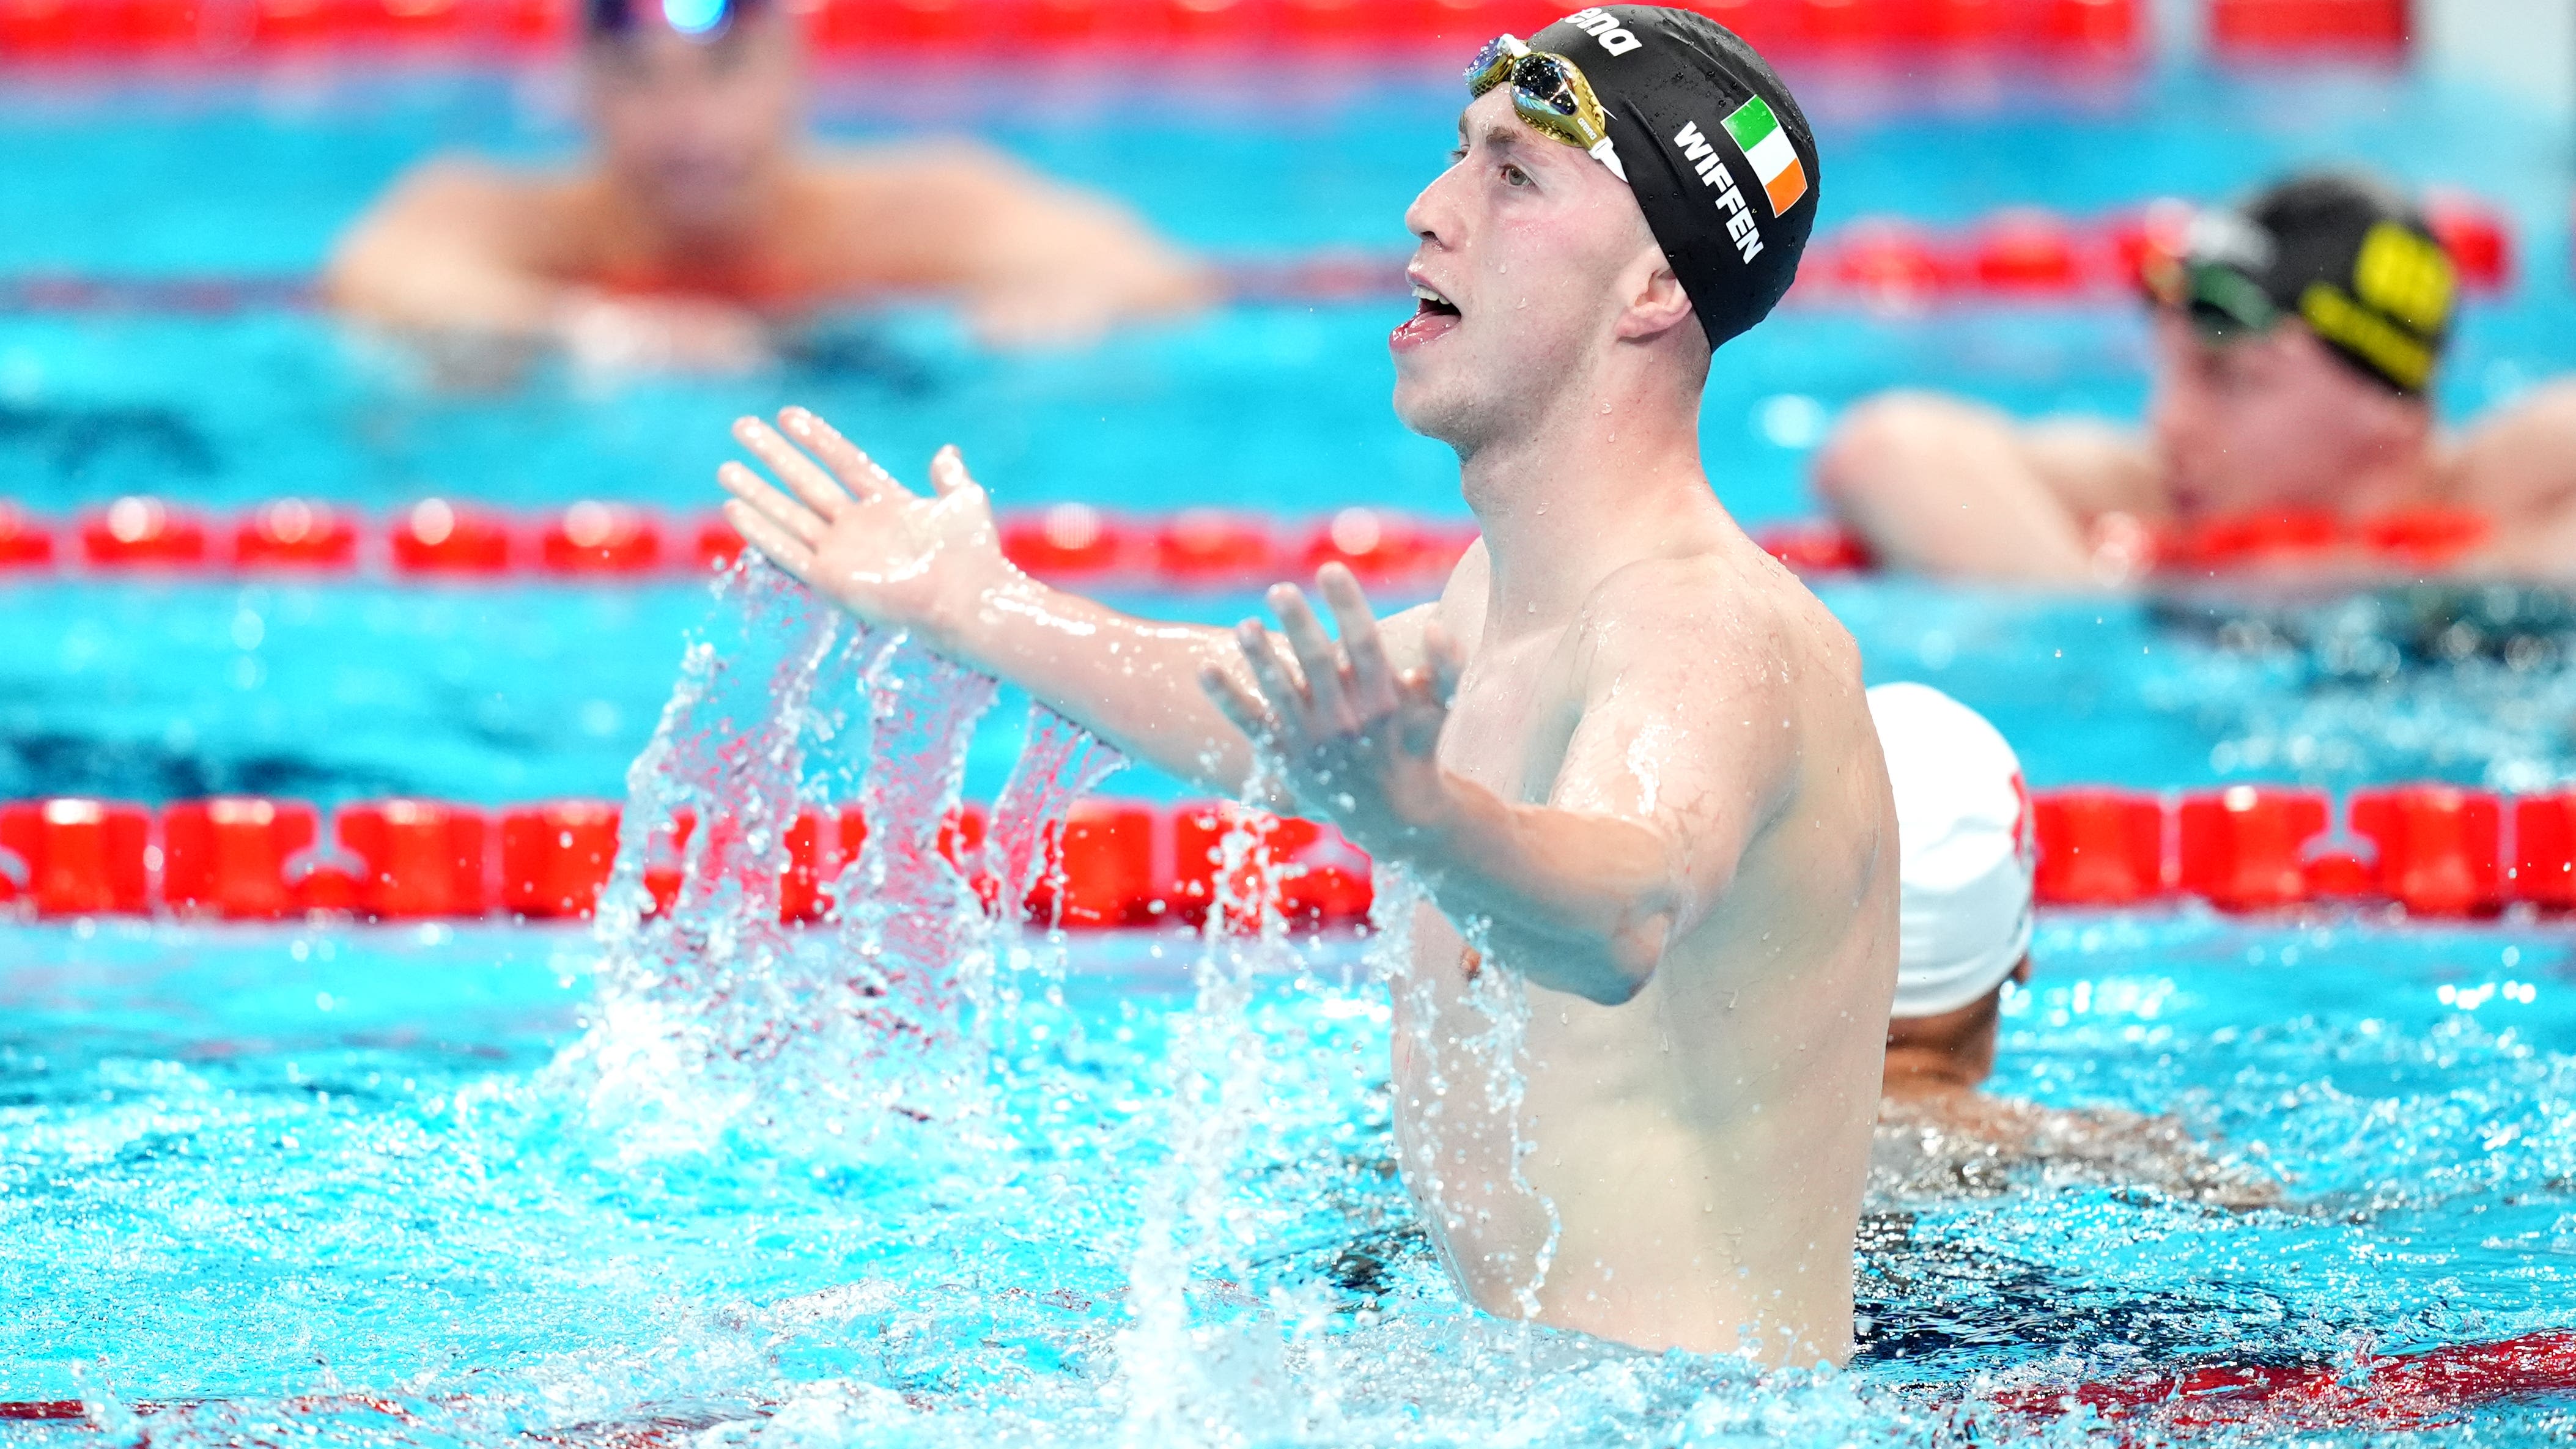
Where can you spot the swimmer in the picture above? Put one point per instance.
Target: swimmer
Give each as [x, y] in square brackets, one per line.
[1624, 748]
[2296, 342]
[1964, 936]
[705, 220]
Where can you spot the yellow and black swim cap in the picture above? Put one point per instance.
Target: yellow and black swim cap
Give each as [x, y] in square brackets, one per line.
[2343, 253]
[1715, 148]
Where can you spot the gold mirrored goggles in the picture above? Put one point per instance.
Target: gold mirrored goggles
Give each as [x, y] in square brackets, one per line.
[1549, 92]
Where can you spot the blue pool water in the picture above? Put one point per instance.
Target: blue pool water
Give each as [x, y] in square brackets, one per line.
[1281, 406]
[246, 1165]
[474, 1185]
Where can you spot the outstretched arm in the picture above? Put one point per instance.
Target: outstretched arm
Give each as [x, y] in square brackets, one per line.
[1937, 486]
[933, 565]
[1046, 264]
[436, 254]
[1654, 806]
[2519, 468]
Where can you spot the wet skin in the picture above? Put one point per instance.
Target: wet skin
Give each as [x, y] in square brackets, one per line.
[705, 216]
[1625, 748]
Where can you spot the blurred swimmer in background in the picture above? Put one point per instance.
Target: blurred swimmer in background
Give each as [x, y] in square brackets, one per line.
[705, 219]
[2296, 340]
[1963, 936]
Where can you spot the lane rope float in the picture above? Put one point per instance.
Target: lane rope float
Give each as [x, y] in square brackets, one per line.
[2423, 851]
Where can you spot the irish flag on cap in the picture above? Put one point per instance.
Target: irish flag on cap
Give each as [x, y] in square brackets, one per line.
[1767, 148]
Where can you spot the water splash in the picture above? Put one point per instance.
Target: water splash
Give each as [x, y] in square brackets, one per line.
[912, 937]
[1201, 1361]
[1478, 1042]
[712, 1016]
[1501, 996]
[1059, 764]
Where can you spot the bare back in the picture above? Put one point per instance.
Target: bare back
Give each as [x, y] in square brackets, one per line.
[1692, 1157]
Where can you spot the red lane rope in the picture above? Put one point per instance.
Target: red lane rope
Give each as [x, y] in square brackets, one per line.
[1195, 548]
[2016, 255]
[2405, 1391]
[2089, 31]
[2420, 850]
[2066, 29]
[454, 540]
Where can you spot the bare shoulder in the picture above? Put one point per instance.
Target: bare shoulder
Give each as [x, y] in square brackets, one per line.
[469, 185]
[2522, 458]
[441, 211]
[1735, 607]
[2094, 467]
[932, 166]
[460, 201]
[1459, 611]
[1725, 648]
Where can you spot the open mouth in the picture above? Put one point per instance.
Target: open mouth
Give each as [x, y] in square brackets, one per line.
[1433, 314]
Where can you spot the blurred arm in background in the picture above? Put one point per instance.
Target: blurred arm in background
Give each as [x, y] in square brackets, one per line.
[1938, 486]
[705, 220]
[2519, 468]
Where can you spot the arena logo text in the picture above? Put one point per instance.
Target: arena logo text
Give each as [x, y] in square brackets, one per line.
[1602, 26]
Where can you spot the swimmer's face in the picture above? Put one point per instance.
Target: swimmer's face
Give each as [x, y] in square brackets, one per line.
[1532, 254]
[695, 127]
[2271, 420]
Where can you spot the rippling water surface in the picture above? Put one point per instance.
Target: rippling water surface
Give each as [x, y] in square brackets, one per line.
[910, 1179]
[245, 1167]
[913, 1177]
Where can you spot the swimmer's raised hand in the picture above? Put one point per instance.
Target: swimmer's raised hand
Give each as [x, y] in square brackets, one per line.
[1354, 739]
[852, 532]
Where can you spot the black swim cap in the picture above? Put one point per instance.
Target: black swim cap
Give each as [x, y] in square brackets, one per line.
[1713, 145]
[2344, 253]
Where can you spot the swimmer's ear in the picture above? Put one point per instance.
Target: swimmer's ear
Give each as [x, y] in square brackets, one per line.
[1657, 305]
[948, 471]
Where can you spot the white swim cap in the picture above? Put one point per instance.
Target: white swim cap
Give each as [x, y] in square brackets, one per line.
[1963, 828]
